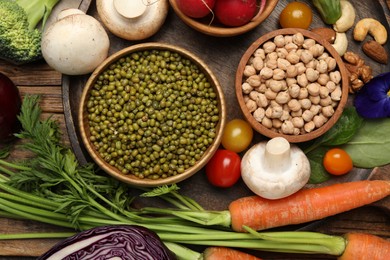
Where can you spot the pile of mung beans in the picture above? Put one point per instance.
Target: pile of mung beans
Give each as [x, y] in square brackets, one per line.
[152, 114]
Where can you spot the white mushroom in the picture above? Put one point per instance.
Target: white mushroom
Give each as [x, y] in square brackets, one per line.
[132, 20]
[275, 169]
[75, 44]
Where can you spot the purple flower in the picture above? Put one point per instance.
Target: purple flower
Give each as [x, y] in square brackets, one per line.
[373, 99]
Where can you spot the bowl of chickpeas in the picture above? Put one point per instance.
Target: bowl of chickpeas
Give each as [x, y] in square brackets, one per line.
[291, 83]
[152, 114]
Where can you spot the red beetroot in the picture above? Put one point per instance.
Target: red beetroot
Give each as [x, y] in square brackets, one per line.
[235, 12]
[10, 103]
[195, 8]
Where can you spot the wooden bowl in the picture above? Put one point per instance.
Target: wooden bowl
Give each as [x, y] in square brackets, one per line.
[303, 136]
[216, 29]
[131, 178]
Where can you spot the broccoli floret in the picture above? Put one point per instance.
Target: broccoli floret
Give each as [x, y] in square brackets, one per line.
[20, 39]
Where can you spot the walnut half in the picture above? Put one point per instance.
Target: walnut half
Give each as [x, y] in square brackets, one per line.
[359, 72]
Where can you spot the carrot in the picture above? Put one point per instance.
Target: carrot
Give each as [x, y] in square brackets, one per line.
[305, 205]
[365, 246]
[225, 253]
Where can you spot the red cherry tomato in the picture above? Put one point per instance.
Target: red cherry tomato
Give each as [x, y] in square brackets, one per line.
[337, 162]
[224, 168]
[237, 135]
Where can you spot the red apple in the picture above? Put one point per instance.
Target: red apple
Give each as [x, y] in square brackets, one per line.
[195, 8]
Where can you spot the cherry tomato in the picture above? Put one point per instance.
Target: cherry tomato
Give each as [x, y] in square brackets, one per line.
[296, 15]
[237, 135]
[337, 162]
[224, 168]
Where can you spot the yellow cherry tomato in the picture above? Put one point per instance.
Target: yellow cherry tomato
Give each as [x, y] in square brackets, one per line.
[237, 135]
[296, 15]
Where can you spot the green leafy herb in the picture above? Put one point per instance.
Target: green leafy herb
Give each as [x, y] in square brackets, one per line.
[318, 172]
[370, 146]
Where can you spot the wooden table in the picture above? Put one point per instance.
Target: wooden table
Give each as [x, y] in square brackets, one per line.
[40, 79]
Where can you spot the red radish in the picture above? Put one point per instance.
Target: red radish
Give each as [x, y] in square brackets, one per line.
[195, 8]
[235, 12]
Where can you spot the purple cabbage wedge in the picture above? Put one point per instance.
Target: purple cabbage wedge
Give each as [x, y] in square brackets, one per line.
[123, 242]
[373, 99]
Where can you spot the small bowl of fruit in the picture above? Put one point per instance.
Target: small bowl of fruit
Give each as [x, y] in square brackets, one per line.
[223, 18]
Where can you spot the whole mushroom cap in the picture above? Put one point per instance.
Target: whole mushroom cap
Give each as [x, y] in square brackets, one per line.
[75, 44]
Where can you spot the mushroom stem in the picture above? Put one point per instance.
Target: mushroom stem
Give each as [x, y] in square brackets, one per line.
[277, 157]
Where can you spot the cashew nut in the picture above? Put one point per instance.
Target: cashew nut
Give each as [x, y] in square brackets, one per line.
[340, 43]
[371, 26]
[347, 18]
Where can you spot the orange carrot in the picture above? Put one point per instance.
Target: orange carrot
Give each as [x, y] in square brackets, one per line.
[305, 205]
[365, 246]
[225, 253]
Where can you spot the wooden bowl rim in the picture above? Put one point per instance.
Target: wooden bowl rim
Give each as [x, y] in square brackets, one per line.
[129, 178]
[344, 86]
[225, 31]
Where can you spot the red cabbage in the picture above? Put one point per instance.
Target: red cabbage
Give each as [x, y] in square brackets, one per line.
[121, 242]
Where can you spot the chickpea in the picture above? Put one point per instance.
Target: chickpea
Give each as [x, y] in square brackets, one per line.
[298, 122]
[259, 114]
[315, 99]
[319, 120]
[266, 122]
[326, 101]
[282, 98]
[271, 63]
[259, 53]
[276, 123]
[292, 57]
[258, 63]
[279, 41]
[246, 88]
[283, 64]
[254, 81]
[298, 39]
[269, 47]
[309, 126]
[294, 90]
[266, 73]
[308, 43]
[335, 76]
[302, 80]
[249, 70]
[279, 74]
[287, 127]
[313, 89]
[270, 94]
[303, 93]
[306, 56]
[307, 115]
[328, 111]
[251, 105]
[305, 103]
[291, 71]
[291, 47]
[323, 78]
[282, 52]
[275, 85]
[294, 105]
[312, 75]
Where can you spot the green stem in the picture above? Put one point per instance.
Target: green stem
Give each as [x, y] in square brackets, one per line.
[29, 196]
[207, 218]
[36, 235]
[14, 166]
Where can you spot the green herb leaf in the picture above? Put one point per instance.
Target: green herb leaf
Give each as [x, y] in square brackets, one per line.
[370, 147]
[342, 132]
[318, 172]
